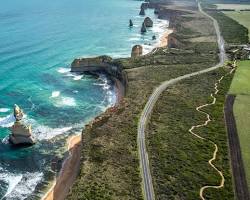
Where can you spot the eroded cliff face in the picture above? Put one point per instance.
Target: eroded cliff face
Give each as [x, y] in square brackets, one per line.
[173, 42]
[104, 64]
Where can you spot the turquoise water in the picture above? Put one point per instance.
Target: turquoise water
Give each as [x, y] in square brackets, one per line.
[38, 41]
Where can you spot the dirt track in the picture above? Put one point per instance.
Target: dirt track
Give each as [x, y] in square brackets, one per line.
[240, 183]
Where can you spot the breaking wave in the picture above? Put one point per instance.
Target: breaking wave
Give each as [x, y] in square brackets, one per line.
[19, 186]
[7, 121]
[3, 110]
[63, 70]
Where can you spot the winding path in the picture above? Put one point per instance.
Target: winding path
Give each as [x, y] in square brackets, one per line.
[191, 130]
[148, 189]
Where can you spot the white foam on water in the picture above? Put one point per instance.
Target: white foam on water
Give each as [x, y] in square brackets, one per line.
[160, 26]
[65, 101]
[24, 187]
[47, 133]
[77, 77]
[3, 110]
[134, 39]
[63, 70]
[12, 181]
[7, 121]
[55, 94]
[5, 140]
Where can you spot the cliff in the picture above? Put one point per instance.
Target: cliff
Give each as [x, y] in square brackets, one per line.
[102, 64]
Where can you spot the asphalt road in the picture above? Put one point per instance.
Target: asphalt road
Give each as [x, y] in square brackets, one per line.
[148, 188]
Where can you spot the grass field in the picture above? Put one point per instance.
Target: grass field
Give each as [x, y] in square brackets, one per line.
[242, 116]
[243, 17]
[236, 7]
[178, 159]
[241, 87]
[241, 81]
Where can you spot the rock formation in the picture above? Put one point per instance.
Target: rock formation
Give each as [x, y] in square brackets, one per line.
[173, 41]
[143, 28]
[148, 22]
[156, 11]
[130, 23]
[144, 5]
[20, 133]
[142, 12]
[136, 51]
[153, 37]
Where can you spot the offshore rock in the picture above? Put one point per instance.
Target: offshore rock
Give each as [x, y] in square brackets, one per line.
[144, 5]
[148, 22]
[18, 113]
[143, 28]
[21, 134]
[142, 12]
[136, 51]
[131, 23]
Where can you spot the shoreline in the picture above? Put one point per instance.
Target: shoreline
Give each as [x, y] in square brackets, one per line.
[71, 165]
[69, 171]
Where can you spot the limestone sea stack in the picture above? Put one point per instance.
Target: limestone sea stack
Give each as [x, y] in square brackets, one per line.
[142, 12]
[136, 51]
[143, 28]
[21, 134]
[131, 23]
[148, 22]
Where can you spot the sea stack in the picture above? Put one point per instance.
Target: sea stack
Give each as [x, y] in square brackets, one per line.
[136, 51]
[143, 28]
[21, 134]
[131, 23]
[148, 22]
[142, 12]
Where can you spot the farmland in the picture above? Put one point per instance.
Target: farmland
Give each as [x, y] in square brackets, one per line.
[240, 16]
[241, 88]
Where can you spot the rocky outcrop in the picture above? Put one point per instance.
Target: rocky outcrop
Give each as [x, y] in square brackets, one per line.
[136, 51]
[144, 5]
[143, 28]
[104, 64]
[131, 23]
[142, 12]
[148, 22]
[21, 134]
[173, 42]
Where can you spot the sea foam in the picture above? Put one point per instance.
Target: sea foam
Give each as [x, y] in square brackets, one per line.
[55, 94]
[63, 70]
[3, 110]
[7, 121]
[21, 186]
[47, 133]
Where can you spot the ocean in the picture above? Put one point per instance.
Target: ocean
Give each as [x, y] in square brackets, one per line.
[38, 41]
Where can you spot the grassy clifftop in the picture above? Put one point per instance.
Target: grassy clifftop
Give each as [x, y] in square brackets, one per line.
[110, 162]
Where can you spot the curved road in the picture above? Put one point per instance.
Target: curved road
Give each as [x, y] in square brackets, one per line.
[148, 189]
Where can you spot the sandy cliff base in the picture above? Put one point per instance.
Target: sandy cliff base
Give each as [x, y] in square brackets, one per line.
[68, 173]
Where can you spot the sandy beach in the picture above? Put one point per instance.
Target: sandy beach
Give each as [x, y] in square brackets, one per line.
[68, 173]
